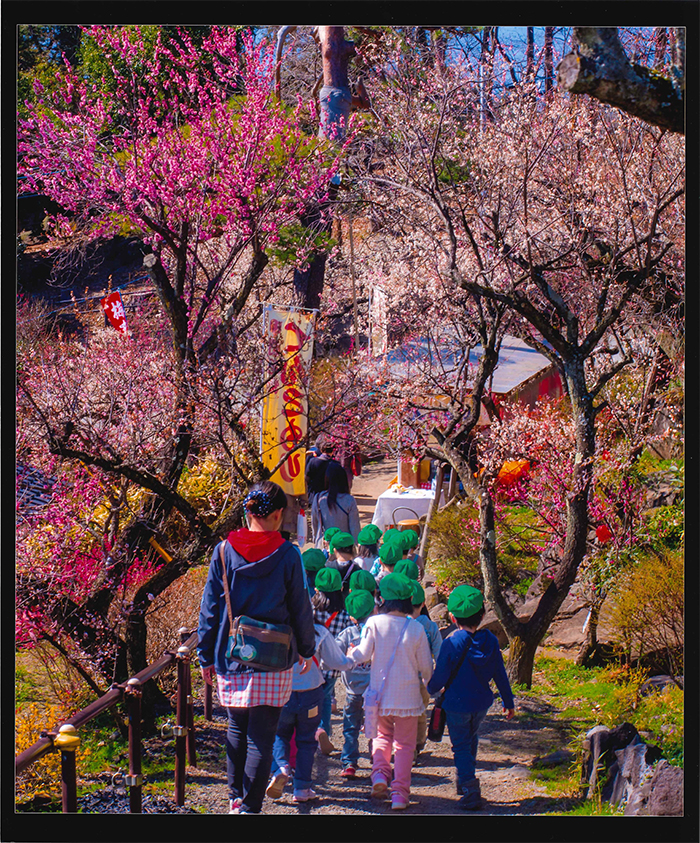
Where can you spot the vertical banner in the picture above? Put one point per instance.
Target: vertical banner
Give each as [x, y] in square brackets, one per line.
[114, 311]
[289, 338]
[378, 320]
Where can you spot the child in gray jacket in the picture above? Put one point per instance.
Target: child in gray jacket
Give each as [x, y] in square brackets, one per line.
[301, 717]
[359, 604]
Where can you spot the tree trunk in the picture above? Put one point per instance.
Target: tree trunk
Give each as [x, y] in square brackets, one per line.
[601, 69]
[530, 53]
[336, 102]
[548, 61]
[521, 660]
[525, 637]
[589, 645]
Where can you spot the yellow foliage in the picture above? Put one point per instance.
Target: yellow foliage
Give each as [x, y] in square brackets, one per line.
[206, 486]
[647, 607]
[43, 777]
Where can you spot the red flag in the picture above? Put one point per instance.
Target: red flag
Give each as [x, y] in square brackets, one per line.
[113, 307]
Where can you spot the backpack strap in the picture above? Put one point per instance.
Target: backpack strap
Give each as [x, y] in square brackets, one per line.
[227, 595]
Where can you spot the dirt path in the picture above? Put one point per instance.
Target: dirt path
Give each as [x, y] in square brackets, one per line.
[506, 751]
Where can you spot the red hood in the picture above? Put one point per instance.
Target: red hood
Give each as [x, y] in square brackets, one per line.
[254, 546]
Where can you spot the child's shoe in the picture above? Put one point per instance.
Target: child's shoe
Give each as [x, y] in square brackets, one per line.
[348, 772]
[304, 795]
[324, 742]
[471, 796]
[277, 784]
[398, 803]
[379, 787]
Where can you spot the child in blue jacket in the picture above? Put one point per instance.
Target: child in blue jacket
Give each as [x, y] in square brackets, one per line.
[469, 695]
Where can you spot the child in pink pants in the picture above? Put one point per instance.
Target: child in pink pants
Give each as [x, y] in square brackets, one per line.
[400, 657]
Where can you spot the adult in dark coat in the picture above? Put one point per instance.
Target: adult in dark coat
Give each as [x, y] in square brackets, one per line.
[266, 582]
[316, 469]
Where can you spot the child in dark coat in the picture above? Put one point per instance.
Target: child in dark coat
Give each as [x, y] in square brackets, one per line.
[469, 695]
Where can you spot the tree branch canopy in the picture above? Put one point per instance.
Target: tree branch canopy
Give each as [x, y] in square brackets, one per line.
[600, 67]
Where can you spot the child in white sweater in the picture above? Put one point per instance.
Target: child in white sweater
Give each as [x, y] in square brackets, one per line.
[398, 649]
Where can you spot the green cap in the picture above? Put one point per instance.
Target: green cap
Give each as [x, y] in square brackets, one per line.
[389, 534]
[328, 579]
[407, 567]
[364, 580]
[395, 587]
[390, 553]
[465, 601]
[341, 541]
[313, 559]
[359, 604]
[330, 532]
[369, 534]
[418, 593]
[408, 539]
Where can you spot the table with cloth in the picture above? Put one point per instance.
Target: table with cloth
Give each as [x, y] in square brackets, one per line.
[416, 500]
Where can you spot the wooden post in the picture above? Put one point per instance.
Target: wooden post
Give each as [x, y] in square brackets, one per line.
[452, 487]
[433, 508]
[191, 748]
[67, 741]
[69, 790]
[134, 779]
[180, 730]
[354, 289]
[207, 701]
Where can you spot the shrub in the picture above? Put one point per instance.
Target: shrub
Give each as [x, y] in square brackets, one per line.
[661, 714]
[610, 696]
[647, 608]
[176, 607]
[453, 549]
[665, 526]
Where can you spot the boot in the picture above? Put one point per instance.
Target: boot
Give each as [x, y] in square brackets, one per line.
[471, 795]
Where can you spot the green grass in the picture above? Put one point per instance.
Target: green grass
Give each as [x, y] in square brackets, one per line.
[590, 808]
[608, 696]
[25, 687]
[563, 780]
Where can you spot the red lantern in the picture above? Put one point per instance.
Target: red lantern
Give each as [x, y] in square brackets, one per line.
[603, 533]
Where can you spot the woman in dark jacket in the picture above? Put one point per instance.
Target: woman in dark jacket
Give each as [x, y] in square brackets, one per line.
[266, 582]
[335, 507]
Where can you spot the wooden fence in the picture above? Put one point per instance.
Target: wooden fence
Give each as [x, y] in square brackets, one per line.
[66, 739]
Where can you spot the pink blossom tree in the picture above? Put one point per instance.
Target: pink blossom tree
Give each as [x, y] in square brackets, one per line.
[187, 148]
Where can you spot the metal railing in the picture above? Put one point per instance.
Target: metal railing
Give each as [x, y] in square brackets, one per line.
[66, 739]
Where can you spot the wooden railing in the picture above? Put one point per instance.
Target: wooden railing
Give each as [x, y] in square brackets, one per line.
[66, 739]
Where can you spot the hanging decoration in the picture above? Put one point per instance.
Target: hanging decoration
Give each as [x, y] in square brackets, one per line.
[114, 310]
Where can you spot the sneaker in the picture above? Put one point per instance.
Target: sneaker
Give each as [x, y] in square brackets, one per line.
[379, 787]
[324, 742]
[398, 803]
[471, 796]
[234, 805]
[304, 795]
[348, 772]
[277, 784]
